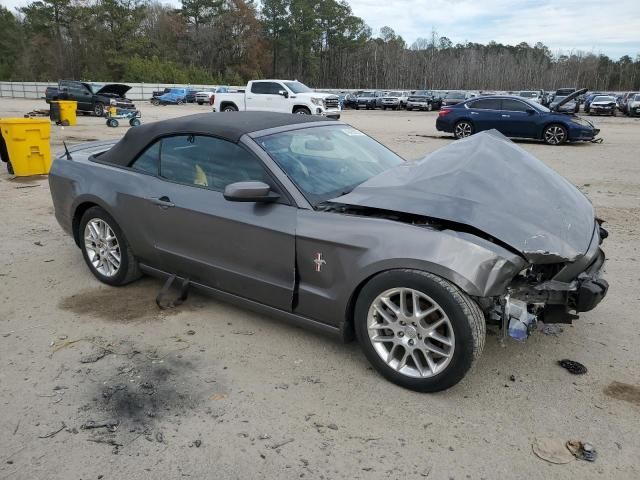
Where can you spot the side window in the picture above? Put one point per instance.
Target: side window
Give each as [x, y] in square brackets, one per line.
[266, 88]
[149, 161]
[485, 104]
[513, 105]
[208, 162]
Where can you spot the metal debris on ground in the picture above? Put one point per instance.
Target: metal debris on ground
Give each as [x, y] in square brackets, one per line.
[573, 367]
[275, 446]
[54, 433]
[552, 450]
[582, 450]
[111, 425]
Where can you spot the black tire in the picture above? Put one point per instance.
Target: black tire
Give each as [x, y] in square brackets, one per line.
[230, 108]
[128, 270]
[302, 111]
[200, 103]
[463, 129]
[179, 102]
[134, 122]
[155, 101]
[465, 316]
[551, 138]
[98, 109]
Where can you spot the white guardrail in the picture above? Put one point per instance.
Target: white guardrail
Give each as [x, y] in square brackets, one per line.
[139, 91]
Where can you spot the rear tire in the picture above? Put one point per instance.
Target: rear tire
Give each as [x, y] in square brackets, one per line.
[93, 242]
[463, 129]
[425, 352]
[230, 108]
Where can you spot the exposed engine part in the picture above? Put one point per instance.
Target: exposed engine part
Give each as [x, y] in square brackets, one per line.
[517, 322]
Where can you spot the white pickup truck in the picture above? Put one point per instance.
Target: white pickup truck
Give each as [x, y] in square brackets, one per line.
[287, 96]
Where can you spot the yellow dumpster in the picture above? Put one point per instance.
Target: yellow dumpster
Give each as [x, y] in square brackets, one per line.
[68, 111]
[24, 145]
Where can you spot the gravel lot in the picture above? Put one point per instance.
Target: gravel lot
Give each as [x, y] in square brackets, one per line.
[211, 391]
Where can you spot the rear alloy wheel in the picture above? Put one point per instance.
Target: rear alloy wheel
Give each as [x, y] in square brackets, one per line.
[419, 330]
[105, 248]
[98, 109]
[554, 135]
[229, 108]
[463, 129]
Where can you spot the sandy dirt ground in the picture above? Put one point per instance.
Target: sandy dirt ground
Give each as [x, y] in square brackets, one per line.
[211, 391]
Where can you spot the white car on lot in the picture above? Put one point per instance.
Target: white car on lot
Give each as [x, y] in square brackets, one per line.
[207, 96]
[287, 96]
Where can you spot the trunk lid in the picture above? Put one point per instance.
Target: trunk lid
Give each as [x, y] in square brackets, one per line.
[490, 184]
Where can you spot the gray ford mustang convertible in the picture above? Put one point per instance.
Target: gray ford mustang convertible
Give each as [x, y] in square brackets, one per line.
[313, 221]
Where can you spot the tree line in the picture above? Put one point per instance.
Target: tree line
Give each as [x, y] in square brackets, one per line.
[319, 42]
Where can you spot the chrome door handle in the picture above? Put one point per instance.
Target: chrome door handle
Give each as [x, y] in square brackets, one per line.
[474, 113]
[163, 202]
[506, 116]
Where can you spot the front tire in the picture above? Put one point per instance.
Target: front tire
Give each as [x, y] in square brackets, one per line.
[301, 111]
[98, 109]
[105, 248]
[554, 134]
[463, 129]
[418, 330]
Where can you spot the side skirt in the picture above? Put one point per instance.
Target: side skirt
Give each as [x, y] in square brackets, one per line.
[288, 317]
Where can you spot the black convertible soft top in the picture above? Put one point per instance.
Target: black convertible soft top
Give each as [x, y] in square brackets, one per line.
[229, 126]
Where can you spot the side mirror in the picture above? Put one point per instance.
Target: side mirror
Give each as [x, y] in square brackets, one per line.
[284, 93]
[250, 192]
[531, 111]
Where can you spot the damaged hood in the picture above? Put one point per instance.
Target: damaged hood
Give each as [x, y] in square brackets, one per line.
[491, 184]
[118, 89]
[567, 99]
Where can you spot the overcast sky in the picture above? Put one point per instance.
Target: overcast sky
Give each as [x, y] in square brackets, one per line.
[599, 26]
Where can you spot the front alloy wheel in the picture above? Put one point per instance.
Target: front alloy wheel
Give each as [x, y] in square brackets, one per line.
[98, 109]
[555, 135]
[418, 330]
[410, 332]
[463, 129]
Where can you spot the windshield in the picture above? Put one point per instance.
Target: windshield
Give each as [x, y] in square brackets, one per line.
[604, 98]
[455, 95]
[297, 87]
[529, 94]
[395, 94]
[326, 162]
[421, 93]
[367, 94]
[558, 99]
[636, 98]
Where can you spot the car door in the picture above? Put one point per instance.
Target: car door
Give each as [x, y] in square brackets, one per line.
[247, 249]
[84, 96]
[484, 113]
[517, 118]
[265, 96]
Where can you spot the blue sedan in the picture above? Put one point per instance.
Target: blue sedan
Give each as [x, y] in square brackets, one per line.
[514, 117]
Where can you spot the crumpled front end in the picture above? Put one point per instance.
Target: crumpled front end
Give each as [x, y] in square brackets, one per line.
[552, 293]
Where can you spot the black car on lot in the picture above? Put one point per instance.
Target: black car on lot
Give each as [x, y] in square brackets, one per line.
[191, 96]
[91, 98]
